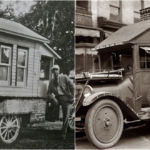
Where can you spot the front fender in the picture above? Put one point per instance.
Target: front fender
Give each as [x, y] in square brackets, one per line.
[92, 98]
[124, 106]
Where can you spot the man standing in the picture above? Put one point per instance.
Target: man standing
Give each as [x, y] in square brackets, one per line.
[63, 89]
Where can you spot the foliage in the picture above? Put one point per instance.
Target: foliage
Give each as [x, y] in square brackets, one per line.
[53, 20]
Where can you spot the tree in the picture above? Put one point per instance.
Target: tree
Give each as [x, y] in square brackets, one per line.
[55, 21]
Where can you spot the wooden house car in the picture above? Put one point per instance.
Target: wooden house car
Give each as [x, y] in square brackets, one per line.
[25, 62]
[119, 95]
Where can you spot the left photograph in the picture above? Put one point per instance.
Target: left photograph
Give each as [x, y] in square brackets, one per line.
[37, 75]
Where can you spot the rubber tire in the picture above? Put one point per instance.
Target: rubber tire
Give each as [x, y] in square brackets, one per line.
[2, 143]
[89, 123]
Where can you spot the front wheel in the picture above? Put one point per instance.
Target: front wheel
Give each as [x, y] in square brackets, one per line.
[10, 127]
[104, 124]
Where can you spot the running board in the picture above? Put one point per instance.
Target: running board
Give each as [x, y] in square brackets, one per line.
[144, 114]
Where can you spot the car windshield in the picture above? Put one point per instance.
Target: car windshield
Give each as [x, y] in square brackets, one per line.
[116, 60]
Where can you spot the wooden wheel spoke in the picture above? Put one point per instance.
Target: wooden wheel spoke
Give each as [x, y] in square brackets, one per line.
[2, 127]
[11, 119]
[71, 122]
[6, 119]
[14, 126]
[5, 135]
[8, 136]
[4, 132]
[4, 123]
[13, 130]
[70, 117]
[13, 122]
[11, 133]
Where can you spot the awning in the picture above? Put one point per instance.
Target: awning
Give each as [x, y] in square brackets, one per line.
[87, 32]
[147, 49]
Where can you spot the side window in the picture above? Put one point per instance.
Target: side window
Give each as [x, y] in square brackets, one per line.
[83, 7]
[144, 53]
[5, 65]
[115, 10]
[22, 57]
[45, 68]
[82, 4]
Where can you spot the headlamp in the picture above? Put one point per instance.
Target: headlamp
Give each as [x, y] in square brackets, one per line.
[88, 90]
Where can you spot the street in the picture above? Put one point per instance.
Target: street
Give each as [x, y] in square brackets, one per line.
[45, 135]
[138, 138]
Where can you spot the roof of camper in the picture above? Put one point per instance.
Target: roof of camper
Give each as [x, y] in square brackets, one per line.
[124, 35]
[18, 29]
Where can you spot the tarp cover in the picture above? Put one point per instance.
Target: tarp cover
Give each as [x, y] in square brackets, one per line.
[124, 35]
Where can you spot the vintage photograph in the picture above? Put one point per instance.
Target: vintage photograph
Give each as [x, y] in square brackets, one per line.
[37, 74]
[112, 53]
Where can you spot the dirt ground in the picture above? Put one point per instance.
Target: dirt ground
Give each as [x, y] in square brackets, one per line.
[45, 135]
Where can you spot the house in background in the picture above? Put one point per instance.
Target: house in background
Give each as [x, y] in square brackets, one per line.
[95, 21]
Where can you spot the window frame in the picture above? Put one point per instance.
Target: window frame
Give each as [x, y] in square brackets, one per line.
[84, 10]
[138, 12]
[119, 11]
[24, 83]
[50, 59]
[145, 62]
[9, 65]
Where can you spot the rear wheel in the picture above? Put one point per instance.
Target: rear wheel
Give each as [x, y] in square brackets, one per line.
[10, 127]
[104, 124]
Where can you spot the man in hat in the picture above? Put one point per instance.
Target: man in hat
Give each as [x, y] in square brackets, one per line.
[63, 89]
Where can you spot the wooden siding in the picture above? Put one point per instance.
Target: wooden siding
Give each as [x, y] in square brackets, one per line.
[36, 70]
[13, 89]
[33, 67]
[14, 65]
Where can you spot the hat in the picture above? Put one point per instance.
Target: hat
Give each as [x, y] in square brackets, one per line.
[55, 67]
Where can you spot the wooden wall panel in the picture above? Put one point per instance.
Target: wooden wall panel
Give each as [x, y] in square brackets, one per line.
[14, 65]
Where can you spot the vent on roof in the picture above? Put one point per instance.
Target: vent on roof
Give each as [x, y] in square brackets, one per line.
[145, 13]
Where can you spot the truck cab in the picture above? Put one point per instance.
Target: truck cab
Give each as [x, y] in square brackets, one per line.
[119, 92]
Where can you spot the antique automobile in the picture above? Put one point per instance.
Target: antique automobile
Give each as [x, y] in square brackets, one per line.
[119, 93]
[25, 62]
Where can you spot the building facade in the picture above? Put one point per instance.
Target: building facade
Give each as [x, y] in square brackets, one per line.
[95, 21]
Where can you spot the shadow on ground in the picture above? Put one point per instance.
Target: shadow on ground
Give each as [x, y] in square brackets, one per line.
[43, 136]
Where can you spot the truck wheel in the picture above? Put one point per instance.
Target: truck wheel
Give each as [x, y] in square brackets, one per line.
[10, 127]
[71, 117]
[104, 124]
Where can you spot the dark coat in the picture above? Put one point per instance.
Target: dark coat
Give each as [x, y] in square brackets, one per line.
[65, 84]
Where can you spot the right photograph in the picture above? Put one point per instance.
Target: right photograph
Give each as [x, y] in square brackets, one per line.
[112, 53]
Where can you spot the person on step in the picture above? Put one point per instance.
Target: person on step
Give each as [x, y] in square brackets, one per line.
[63, 89]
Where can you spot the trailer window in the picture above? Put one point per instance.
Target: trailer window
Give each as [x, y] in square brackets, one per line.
[5, 65]
[22, 67]
[144, 57]
[45, 68]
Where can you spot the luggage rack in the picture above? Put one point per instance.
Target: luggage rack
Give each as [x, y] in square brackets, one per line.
[110, 74]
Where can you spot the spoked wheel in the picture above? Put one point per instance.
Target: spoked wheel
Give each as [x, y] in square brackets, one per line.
[9, 129]
[72, 117]
[104, 124]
